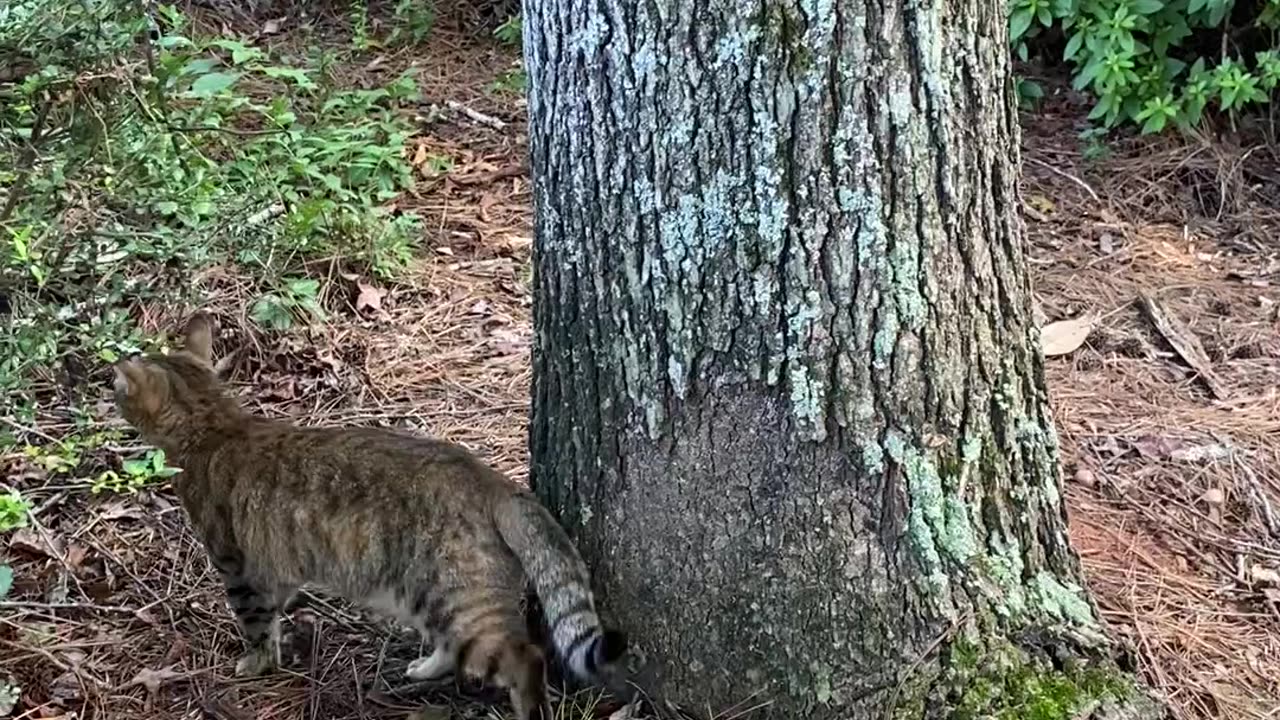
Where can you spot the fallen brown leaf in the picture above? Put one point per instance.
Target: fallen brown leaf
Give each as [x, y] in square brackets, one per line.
[29, 541]
[1065, 336]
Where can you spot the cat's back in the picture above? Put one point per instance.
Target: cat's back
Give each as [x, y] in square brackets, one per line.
[364, 462]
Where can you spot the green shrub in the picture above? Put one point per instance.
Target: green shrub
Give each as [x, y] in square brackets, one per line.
[1154, 63]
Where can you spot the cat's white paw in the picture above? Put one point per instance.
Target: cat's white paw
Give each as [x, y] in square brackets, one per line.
[258, 661]
[436, 665]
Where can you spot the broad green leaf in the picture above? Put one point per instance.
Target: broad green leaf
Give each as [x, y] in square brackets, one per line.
[1019, 21]
[297, 76]
[199, 66]
[304, 287]
[213, 83]
[135, 467]
[1154, 124]
[1073, 46]
[170, 42]
[240, 53]
[1087, 75]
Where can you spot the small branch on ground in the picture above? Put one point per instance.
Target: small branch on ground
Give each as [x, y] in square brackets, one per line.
[1184, 342]
[1067, 175]
[476, 115]
[270, 212]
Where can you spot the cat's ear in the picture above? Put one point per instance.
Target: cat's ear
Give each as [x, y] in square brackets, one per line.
[140, 388]
[197, 337]
[131, 378]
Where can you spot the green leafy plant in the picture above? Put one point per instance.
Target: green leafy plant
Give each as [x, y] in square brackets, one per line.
[295, 298]
[135, 474]
[1156, 63]
[511, 31]
[128, 160]
[13, 512]
[55, 458]
[512, 81]
[413, 22]
[358, 14]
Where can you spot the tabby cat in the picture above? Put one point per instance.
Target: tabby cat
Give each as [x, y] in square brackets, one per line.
[416, 528]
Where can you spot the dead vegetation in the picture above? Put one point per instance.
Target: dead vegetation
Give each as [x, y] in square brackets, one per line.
[1169, 414]
[1173, 483]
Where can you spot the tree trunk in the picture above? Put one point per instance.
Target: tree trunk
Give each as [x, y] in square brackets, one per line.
[788, 395]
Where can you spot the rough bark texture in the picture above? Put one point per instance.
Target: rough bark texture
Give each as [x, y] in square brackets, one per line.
[786, 388]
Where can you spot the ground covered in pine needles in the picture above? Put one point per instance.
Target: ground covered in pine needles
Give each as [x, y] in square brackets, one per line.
[1156, 275]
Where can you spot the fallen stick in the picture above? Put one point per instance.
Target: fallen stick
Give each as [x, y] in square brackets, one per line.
[476, 115]
[1184, 342]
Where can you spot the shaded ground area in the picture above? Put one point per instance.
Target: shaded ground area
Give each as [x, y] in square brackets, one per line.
[1174, 491]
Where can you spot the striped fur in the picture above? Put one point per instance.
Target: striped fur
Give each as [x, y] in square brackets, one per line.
[418, 529]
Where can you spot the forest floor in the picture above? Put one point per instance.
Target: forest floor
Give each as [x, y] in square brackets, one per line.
[1173, 482]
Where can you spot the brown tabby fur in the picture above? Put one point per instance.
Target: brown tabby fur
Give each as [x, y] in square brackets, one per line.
[417, 528]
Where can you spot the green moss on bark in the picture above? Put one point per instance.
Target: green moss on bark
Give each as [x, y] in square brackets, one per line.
[1001, 682]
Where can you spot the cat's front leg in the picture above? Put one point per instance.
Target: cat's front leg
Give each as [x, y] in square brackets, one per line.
[258, 615]
[257, 611]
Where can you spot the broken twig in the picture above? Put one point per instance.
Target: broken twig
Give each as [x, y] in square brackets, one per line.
[476, 115]
[1184, 342]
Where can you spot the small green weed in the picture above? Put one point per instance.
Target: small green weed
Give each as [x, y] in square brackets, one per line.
[135, 474]
[413, 22]
[295, 298]
[54, 458]
[511, 32]
[13, 512]
[358, 14]
[1094, 144]
[512, 81]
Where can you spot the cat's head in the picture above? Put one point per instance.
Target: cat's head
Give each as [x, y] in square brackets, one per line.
[166, 397]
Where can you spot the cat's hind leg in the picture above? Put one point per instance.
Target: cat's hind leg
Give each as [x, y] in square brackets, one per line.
[443, 657]
[439, 663]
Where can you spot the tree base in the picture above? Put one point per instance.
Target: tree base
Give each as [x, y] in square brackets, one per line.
[1006, 682]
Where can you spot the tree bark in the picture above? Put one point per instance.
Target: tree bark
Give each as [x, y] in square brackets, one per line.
[788, 395]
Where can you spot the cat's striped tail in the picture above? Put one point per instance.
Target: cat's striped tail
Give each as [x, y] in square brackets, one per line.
[562, 583]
